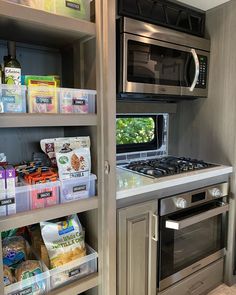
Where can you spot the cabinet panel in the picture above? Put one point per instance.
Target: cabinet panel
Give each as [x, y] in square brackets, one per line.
[137, 252]
[137, 249]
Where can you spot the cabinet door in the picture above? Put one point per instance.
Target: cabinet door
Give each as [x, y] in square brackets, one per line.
[137, 253]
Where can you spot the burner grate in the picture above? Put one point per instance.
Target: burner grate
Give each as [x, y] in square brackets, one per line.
[167, 166]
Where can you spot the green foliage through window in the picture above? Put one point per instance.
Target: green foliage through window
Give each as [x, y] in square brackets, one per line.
[134, 130]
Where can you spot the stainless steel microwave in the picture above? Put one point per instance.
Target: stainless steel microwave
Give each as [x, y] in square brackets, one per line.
[157, 62]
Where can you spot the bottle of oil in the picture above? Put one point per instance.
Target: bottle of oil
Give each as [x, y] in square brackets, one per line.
[12, 67]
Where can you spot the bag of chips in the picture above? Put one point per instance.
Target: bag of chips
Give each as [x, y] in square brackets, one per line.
[64, 240]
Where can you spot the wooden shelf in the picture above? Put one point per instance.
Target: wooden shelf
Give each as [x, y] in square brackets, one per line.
[25, 24]
[36, 216]
[9, 120]
[78, 286]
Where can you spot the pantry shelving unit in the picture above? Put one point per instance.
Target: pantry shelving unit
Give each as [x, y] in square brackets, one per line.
[27, 25]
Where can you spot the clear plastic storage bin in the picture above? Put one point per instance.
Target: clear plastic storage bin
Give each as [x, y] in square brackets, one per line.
[30, 197]
[44, 195]
[12, 99]
[77, 188]
[39, 284]
[74, 270]
[79, 101]
[42, 99]
[73, 8]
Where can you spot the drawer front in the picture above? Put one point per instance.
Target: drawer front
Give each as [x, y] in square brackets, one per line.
[200, 282]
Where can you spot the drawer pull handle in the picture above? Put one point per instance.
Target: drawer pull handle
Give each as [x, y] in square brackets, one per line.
[155, 236]
[195, 287]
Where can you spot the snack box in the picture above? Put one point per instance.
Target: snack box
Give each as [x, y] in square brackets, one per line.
[77, 188]
[74, 270]
[79, 101]
[11, 188]
[12, 99]
[2, 191]
[40, 80]
[35, 285]
[42, 99]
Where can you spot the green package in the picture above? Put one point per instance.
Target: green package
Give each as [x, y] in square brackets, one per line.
[73, 8]
[25, 79]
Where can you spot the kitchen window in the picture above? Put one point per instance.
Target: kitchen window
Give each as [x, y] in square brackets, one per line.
[139, 132]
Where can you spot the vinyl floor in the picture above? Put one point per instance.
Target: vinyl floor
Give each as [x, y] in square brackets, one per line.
[224, 290]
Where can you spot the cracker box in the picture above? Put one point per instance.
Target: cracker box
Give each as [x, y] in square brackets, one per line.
[11, 189]
[3, 210]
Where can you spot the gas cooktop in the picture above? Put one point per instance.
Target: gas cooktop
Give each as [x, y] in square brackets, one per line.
[167, 166]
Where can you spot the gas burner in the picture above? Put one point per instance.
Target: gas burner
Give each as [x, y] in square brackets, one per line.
[167, 166]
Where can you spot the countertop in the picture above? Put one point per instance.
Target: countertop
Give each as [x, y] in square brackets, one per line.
[132, 184]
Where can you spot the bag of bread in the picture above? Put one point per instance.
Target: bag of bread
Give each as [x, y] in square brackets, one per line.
[76, 163]
[52, 146]
[14, 251]
[8, 278]
[29, 269]
[64, 240]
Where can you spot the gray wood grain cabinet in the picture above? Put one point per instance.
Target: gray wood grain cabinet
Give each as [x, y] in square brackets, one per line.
[137, 249]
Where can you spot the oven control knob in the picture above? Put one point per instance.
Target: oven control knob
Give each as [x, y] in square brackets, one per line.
[181, 203]
[216, 193]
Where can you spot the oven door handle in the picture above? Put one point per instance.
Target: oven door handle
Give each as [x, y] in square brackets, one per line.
[181, 224]
[196, 61]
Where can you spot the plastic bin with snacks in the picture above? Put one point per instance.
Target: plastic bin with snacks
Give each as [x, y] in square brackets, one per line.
[42, 99]
[74, 270]
[36, 190]
[77, 188]
[29, 197]
[12, 99]
[73, 8]
[23, 272]
[80, 101]
[70, 258]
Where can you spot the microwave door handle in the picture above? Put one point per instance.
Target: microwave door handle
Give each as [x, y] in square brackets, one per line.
[178, 225]
[196, 61]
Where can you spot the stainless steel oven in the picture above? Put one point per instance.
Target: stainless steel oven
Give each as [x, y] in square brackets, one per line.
[157, 62]
[192, 232]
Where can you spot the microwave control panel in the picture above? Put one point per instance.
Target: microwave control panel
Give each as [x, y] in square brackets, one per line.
[202, 80]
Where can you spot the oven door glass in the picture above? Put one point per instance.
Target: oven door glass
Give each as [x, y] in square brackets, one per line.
[153, 64]
[181, 248]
